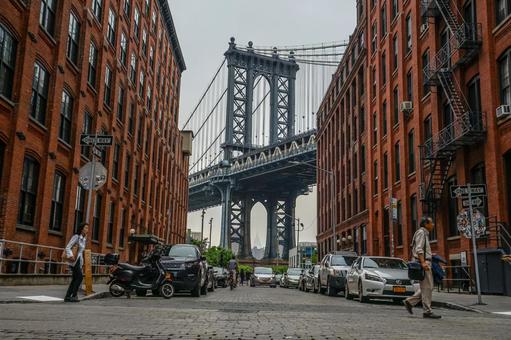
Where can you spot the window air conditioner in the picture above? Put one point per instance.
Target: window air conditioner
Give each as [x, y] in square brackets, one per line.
[406, 106]
[504, 111]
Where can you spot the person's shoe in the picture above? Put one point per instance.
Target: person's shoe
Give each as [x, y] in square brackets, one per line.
[67, 299]
[74, 299]
[431, 316]
[408, 306]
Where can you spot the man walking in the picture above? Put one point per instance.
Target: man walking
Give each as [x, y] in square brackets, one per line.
[421, 251]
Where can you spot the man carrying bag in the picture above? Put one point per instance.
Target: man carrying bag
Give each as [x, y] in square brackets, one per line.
[421, 251]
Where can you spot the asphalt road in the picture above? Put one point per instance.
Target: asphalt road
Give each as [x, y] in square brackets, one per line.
[244, 313]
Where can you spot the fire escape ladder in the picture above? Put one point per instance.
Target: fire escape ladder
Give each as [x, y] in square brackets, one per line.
[454, 20]
[453, 93]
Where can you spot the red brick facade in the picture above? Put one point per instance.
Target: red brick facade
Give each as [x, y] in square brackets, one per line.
[153, 201]
[388, 140]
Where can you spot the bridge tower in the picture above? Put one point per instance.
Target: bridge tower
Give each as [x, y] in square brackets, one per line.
[244, 67]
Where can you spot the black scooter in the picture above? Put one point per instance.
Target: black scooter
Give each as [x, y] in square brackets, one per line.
[124, 277]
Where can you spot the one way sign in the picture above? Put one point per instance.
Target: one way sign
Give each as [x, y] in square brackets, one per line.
[465, 190]
[98, 140]
[476, 202]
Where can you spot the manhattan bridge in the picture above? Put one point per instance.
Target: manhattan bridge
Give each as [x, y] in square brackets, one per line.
[254, 139]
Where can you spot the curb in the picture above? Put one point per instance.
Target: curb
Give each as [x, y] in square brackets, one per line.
[95, 296]
[454, 306]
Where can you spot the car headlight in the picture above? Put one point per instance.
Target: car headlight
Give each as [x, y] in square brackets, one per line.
[373, 278]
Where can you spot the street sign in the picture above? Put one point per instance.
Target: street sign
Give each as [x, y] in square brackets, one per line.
[85, 175]
[103, 140]
[476, 202]
[478, 223]
[393, 203]
[96, 152]
[465, 190]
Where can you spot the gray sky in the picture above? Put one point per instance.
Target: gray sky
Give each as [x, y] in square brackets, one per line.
[204, 28]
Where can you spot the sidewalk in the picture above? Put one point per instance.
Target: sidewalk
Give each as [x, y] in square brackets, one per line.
[493, 303]
[54, 293]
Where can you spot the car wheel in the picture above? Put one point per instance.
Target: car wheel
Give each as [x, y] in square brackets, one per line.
[196, 290]
[361, 296]
[204, 289]
[329, 290]
[347, 294]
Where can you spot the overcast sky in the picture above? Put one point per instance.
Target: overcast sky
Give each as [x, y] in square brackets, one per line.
[204, 28]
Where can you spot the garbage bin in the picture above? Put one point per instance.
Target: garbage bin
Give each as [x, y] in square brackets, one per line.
[491, 271]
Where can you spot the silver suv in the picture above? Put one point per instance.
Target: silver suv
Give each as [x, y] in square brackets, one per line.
[333, 271]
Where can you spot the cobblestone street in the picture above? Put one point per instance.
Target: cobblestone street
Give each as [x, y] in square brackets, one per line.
[245, 313]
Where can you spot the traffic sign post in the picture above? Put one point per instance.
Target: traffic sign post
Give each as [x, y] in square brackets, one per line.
[474, 244]
[475, 202]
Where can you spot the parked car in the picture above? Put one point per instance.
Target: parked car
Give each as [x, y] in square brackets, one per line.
[263, 276]
[291, 277]
[379, 277]
[188, 267]
[312, 279]
[220, 275]
[333, 270]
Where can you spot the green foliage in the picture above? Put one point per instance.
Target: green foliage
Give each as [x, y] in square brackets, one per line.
[245, 268]
[279, 269]
[314, 258]
[201, 244]
[217, 256]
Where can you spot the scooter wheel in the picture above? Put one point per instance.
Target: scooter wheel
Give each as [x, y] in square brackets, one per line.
[167, 290]
[116, 290]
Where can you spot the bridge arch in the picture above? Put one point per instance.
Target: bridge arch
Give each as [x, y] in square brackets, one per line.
[258, 228]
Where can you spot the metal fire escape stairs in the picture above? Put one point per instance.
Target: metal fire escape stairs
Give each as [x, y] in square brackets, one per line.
[467, 127]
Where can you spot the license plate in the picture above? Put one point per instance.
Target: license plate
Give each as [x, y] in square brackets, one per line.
[399, 289]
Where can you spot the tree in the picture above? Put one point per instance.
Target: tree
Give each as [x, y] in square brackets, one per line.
[314, 257]
[217, 256]
[201, 244]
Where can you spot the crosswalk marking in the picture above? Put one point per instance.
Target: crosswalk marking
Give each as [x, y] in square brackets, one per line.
[41, 298]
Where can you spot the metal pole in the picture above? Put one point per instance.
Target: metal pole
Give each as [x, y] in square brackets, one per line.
[210, 230]
[334, 214]
[298, 242]
[92, 183]
[202, 225]
[391, 212]
[474, 246]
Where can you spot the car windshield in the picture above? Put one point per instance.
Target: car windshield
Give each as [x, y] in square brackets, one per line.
[343, 260]
[262, 270]
[294, 271]
[178, 251]
[384, 263]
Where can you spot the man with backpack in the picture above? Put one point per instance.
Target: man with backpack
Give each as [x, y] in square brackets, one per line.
[421, 251]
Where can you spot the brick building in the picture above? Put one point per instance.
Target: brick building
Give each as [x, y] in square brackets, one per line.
[437, 72]
[85, 66]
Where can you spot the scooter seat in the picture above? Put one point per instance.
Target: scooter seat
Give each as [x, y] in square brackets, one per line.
[131, 267]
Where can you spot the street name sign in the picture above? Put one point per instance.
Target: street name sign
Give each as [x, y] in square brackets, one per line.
[476, 202]
[466, 190]
[99, 140]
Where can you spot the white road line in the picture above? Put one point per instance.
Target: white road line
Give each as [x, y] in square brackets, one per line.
[41, 298]
[502, 313]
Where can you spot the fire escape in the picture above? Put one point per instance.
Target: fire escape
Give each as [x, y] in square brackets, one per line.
[467, 127]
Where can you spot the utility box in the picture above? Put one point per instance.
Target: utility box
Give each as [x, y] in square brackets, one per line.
[492, 271]
[187, 136]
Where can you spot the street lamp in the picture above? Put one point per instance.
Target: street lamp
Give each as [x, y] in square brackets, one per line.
[334, 205]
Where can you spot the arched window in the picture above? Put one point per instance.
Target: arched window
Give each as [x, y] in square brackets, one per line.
[505, 77]
[8, 47]
[28, 192]
[57, 202]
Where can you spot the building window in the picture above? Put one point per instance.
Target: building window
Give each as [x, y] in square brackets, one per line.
[66, 117]
[136, 19]
[373, 81]
[363, 248]
[151, 57]
[395, 46]
[474, 94]
[133, 68]
[362, 124]
[397, 162]
[93, 62]
[375, 171]
[57, 202]
[79, 207]
[139, 131]
[131, 119]
[425, 67]
[385, 171]
[136, 183]
[144, 191]
[97, 9]
[384, 20]
[110, 34]
[39, 93]
[2, 154]
[408, 33]
[96, 218]
[122, 227]
[108, 86]
[127, 7]
[147, 7]
[478, 176]
[153, 22]
[28, 193]
[374, 35]
[409, 86]
[141, 83]
[149, 100]
[144, 42]
[363, 204]
[411, 152]
[428, 128]
[73, 38]
[413, 213]
[47, 15]
[384, 68]
[117, 156]
[375, 128]
[505, 78]
[395, 8]
[110, 229]
[503, 8]
[395, 106]
[120, 104]
[127, 172]
[124, 49]
[362, 158]
[8, 46]
[147, 134]
[384, 118]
